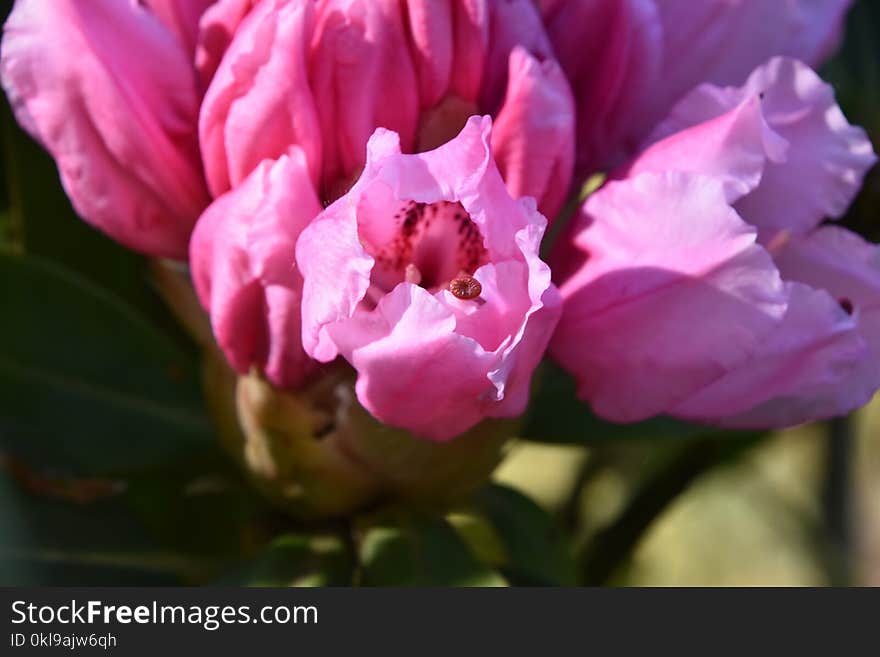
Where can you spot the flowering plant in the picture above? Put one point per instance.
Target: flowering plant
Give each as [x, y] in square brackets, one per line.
[399, 234]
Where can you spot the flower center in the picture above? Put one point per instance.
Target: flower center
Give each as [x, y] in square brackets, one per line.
[436, 245]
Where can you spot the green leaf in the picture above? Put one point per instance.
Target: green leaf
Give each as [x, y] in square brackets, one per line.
[85, 382]
[556, 415]
[297, 560]
[419, 551]
[535, 550]
[52, 541]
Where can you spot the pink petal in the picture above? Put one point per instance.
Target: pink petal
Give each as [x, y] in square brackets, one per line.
[430, 25]
[241, 257]
[611, 53]
[217, 26]
[471, 42]
[181, 17]
[514, 24]
[533, 138]
[112, 96]
[733, 148]
[259, 102]
[809, 368]
[847, 267]
[671, 292]
[827, 158]
[721, 41]
[414, 370]
[362, 76]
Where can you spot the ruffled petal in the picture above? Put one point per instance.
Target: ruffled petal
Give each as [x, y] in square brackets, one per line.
[826, 159]
[664, 290]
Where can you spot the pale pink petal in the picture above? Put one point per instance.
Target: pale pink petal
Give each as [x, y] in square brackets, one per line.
[533, 138]
[734, 148]
[811, 367]
[671, 293]
[259, 103]
[847, 267]
[826, 159]
[111, 95]
[243, 269]
[414, 370]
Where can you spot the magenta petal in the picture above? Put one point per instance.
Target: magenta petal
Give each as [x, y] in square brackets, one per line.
[241, 257]
[259, 103]
[533, 138]
[112, 96]
[671, 293]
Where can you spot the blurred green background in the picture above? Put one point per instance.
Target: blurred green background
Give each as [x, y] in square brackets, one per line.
[110, 473]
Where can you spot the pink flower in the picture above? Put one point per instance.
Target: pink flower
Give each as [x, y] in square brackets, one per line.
[243, 270]
[110, 93]
[325, 75]
[425, 276]
[321, 77]
[694, 282]
[629, 61]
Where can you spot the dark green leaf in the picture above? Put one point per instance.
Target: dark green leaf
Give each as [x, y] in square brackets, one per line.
[297, 560]
[85, 382]
[556, 415]
[419, 551]
[51, 541]
[535, 549]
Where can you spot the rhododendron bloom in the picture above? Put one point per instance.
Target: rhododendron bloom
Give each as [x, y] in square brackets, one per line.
[671, 303]
[425, 276]
[320, 77]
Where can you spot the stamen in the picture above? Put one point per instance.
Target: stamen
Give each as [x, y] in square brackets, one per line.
[412, 274]
[465, 287]
[779, 241]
